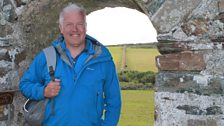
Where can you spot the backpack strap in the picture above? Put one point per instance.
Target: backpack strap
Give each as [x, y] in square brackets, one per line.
[50, 54]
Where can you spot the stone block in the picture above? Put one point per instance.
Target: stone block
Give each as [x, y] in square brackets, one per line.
[188, 114]
[195, 27]
[195, 110]
[196, 122]
[190, 82]
[172, 13]
[219, 38]
[4, 55]
[20, 57]
[221, 6]
[4, 42]
[175, 46]
[5, 30]
[186, 61]
[172, 47]
[3, 72]
[5, 67]
[220, 17]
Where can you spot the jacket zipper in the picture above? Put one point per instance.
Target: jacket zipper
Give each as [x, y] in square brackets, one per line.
[97, 98]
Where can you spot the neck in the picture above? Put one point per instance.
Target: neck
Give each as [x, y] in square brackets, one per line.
[75, 50]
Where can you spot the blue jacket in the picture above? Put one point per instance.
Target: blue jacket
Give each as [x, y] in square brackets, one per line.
[90, 92]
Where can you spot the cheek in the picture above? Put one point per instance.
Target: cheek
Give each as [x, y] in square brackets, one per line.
[83, 31]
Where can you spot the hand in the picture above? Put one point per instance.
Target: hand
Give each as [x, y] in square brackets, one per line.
[52, 89]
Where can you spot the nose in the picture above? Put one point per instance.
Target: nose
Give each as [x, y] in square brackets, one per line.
[74, 27]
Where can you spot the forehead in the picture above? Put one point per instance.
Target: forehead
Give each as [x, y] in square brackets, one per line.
[74, 16]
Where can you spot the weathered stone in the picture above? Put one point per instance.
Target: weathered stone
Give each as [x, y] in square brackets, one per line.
[4, 55]
[186, 61]
[168, 115]
[5, 67]
[214, 62]
[1, 3]
[19, 3]
[220, 17]
[195, 122]
[4, 42]
[3, 72]
[172, 47]
[20, 57]
[221, 6]
[172, 12]
[189, 82]
[192, 110]
[155, 5]
[5, 30]
[214, 110]
[5, 64]
[9, 12]
[195, 110]
[195, 27]
[219, 38]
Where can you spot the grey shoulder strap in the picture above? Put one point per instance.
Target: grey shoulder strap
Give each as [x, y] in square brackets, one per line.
[50, 55]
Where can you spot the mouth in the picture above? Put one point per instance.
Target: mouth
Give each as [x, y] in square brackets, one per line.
[75, 35]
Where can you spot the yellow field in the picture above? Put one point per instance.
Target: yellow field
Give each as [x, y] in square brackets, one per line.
[116, 52]
[137, 108]
[141, 59]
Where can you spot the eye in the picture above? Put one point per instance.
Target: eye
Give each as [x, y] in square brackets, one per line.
[68, 25]
[80, 25]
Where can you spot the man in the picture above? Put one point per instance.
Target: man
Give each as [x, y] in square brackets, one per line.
[86, 90]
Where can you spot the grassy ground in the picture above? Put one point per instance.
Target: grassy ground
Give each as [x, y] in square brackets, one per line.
[141, 59]
[137, 108]
[116, 52]
[137, 105]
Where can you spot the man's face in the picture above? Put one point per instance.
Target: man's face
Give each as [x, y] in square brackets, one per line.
[73, 28]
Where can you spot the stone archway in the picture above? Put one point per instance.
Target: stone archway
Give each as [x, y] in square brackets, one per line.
[190, 33]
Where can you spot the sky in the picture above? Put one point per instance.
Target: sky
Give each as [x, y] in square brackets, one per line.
[120, 25]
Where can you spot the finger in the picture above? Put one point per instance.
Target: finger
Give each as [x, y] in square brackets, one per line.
[57, 80]
[56, 83]
[55, 93]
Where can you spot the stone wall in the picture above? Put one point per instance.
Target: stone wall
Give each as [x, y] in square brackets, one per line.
[190, 81]
[189, 84]
[26, 27]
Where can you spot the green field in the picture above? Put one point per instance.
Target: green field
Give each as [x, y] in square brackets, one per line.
[137, 108]
[137, 105]
[116, 52]
[140, 59]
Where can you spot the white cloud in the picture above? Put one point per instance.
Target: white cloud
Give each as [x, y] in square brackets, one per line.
[120, 25]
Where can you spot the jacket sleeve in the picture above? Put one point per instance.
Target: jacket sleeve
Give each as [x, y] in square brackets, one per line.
[112, 96]
[31, 84]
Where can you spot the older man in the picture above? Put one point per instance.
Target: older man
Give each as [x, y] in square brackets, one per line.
[86, 90]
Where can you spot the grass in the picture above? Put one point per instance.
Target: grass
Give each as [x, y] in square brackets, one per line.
[137, 105]
[137, 108]
[116, 52]
[141, 59]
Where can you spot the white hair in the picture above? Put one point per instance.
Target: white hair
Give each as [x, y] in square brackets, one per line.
[69, 8]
